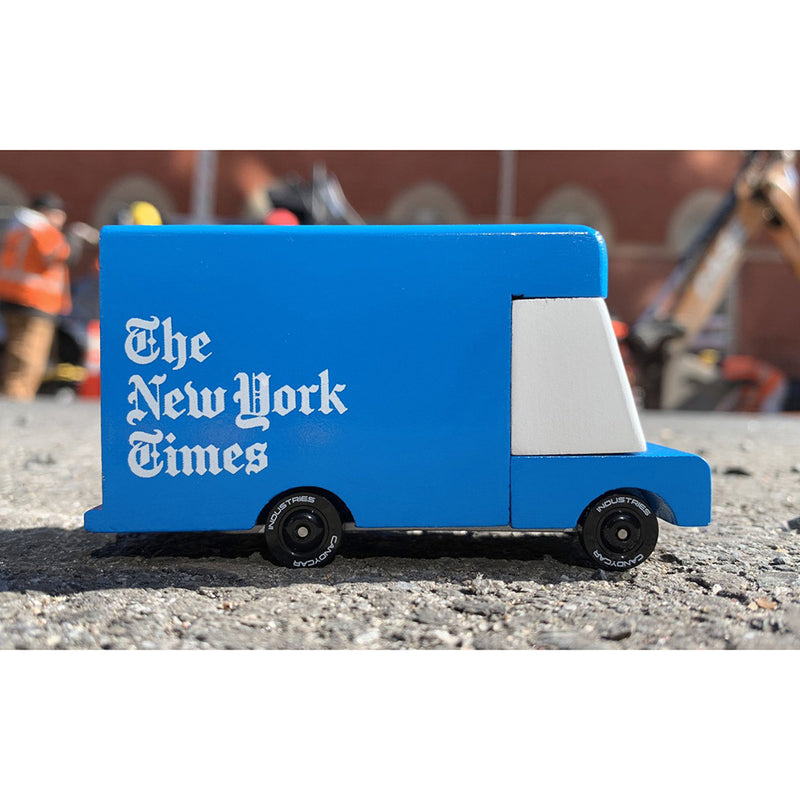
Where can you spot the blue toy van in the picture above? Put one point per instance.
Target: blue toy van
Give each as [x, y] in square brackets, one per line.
[315, 379]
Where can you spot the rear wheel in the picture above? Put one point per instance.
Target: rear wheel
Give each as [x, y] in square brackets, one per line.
[618, 531]
[303, 530]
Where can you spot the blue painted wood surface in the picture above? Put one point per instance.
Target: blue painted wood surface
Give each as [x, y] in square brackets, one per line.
[552, 491]
[412, 323]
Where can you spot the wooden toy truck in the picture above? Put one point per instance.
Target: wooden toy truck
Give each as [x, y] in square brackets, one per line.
[315, 379]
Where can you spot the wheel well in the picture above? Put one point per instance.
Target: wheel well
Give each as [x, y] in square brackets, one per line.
[658, 504]
[661, 507]
[338, 503]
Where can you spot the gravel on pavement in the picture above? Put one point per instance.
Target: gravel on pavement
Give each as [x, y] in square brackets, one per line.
[731, 585]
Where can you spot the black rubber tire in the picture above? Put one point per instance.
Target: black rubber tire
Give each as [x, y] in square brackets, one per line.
[303, 530]
[618, 531]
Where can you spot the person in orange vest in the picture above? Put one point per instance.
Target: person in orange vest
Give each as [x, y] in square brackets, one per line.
[34, 291]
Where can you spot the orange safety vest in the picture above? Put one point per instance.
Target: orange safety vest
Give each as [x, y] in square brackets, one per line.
[33, 265]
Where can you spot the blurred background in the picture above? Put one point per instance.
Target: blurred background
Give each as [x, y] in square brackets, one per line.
[678, 224]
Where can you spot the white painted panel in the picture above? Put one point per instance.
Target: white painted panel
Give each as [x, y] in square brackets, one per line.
[569, 391]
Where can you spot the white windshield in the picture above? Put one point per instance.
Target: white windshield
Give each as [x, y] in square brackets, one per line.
[569, 391]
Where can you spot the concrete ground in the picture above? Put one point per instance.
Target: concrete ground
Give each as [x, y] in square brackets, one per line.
[732, 585]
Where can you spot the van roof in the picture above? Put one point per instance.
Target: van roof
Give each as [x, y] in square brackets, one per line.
[532, 260]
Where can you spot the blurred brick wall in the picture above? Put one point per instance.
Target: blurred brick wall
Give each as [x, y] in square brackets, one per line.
[639, 190]
[371, 180]
[81, 176]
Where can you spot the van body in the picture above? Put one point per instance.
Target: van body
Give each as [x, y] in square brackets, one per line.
[420, 377]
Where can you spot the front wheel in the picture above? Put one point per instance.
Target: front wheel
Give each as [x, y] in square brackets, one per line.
[303, 530]
[618, 531]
